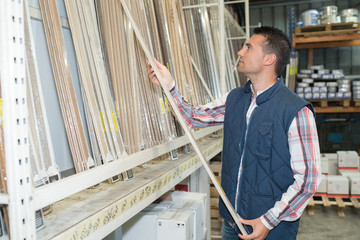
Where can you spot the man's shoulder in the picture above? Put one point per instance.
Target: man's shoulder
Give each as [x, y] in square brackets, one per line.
[237, 91]
[291, 97]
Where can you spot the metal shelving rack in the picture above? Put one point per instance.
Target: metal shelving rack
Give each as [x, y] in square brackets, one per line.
[13, 86]
[114, 209]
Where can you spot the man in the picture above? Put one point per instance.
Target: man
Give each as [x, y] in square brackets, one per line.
[271, 157]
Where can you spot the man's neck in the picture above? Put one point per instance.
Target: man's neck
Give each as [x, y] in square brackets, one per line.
[261, 84]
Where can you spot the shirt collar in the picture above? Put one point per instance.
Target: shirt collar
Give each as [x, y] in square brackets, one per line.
[259, 92]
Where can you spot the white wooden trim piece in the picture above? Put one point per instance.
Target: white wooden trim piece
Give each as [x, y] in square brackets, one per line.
[200, 5]
[35, 86]
[66, 187]
[182, 122]
[247, 20]
[236, 38]
[234, 2]
[222, 60]
[94, 213]
[202, 79]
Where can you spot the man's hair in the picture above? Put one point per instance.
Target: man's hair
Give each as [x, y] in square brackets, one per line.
[278, 43]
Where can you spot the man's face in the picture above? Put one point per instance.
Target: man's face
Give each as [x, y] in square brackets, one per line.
[252, 55]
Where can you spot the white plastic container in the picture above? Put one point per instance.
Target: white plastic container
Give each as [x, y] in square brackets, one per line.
[310, 17]
[349, 15]
[328, 14]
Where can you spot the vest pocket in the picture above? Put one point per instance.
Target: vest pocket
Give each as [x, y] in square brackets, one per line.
[263, 149]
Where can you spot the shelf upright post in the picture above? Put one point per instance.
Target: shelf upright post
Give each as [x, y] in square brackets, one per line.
[15, 121]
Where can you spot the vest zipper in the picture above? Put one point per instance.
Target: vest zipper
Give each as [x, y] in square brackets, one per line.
[241, 161]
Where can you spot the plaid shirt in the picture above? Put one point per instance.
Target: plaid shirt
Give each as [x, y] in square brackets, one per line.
[303, 146]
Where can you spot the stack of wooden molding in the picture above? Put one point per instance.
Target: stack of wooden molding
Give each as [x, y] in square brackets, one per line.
[144, 118]
[232, 45]
[94, 79]
[204, 38]
[202, 48]
[42, 158]
[178, 39]
[64, 85]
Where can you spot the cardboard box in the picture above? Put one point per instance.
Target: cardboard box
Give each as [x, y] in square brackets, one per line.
[322, 188]
[348, 159]
[332, 163]
[143, 224]
[175, 224]
[324, 164]
[338, 186]
[355, 185]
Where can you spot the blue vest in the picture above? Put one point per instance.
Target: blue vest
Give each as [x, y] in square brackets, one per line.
[266, 170]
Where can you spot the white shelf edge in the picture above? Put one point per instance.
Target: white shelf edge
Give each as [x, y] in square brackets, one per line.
[111, 216]
[56, 191]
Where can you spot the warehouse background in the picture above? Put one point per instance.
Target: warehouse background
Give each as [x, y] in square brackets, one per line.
[276, 14]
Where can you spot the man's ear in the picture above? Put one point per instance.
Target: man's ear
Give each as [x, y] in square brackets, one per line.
[269, 59]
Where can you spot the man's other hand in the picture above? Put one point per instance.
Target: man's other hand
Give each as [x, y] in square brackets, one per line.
[260, 231]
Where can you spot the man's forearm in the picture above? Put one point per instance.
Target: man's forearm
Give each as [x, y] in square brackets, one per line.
[203, 116]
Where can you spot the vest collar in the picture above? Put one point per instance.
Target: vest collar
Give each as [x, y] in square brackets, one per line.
[263, 97]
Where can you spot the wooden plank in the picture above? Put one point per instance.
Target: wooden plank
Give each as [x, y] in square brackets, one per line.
[323, 39]
[326, 201]
[214, 202]
[355, 202]
[216, 224]
[214, 213]
[338, 109]
[340, 212]
[327, 44]
[216, 235]
[327, 29]
[310, 57]
[216, 167]
[340, 207]
[324, 102]
[213, 192]
[310, 207]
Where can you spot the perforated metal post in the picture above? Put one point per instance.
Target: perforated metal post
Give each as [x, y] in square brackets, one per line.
[13, 87]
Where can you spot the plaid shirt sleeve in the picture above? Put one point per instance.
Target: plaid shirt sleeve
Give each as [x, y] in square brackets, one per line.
[305, 163]
[207, 115]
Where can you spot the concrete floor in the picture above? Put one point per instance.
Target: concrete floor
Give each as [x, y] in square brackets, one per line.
[326, 224]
